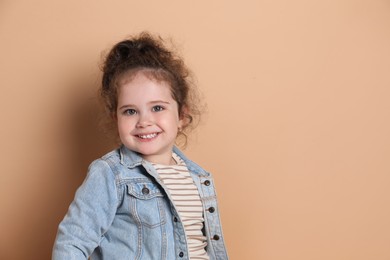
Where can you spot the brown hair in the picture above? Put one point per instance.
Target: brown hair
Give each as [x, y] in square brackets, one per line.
[149, 54]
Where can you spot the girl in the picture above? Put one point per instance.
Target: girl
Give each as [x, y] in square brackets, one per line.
[145, 200]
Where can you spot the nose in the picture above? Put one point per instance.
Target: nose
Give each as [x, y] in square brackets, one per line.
[144, 120]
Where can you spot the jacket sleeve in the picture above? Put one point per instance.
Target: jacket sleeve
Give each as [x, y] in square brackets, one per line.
[89, 216]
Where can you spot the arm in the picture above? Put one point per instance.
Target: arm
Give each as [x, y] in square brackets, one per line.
[89, 216]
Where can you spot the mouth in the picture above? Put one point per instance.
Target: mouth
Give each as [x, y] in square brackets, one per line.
[148, 136]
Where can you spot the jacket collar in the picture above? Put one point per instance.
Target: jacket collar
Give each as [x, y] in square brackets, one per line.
[132, 159]
[129, 158]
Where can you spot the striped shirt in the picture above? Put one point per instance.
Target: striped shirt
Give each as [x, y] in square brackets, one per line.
[186, 198]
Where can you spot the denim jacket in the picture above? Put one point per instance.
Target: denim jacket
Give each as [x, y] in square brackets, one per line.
[123, 211]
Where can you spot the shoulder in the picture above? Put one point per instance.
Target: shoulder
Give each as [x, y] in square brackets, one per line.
[106, 163]
[111, 155]
[121, 163]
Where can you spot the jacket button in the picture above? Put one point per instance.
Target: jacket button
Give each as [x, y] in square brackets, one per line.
[145, 191]
[207, 182]
[175, 219]
[211, 209]
[216, 237]
[181, 254]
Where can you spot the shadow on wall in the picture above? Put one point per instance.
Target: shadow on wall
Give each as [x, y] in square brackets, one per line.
[83, 141]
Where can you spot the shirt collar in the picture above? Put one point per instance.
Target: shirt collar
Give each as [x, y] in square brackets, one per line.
[132, 159]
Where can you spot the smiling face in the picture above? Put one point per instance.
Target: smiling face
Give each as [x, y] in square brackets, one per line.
[148, 118]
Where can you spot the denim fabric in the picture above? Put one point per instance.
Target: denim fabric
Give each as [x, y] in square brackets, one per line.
[122, 211]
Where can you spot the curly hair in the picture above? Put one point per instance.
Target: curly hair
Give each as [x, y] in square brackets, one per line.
[150, 55]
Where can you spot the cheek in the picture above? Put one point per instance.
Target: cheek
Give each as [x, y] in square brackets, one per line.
[172, 119]
[120, 127]
[124, 124]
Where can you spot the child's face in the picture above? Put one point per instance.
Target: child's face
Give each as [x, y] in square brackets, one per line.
[148, 118]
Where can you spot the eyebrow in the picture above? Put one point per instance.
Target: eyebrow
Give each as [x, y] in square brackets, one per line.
[159, 101]
[151, 102]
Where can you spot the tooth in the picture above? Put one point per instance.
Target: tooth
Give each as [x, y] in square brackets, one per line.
[148, 136]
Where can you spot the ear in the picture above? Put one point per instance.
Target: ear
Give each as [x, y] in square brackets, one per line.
[181, 123]
[183, 112]
[183, 119]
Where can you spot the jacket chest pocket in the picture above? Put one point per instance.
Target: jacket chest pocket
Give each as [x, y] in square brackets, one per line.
[146, 203]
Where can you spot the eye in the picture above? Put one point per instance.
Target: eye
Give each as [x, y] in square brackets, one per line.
[157, 108]
[129, 112]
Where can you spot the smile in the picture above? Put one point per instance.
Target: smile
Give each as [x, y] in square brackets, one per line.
[148, 136]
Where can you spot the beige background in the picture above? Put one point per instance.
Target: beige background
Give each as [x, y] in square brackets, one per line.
[297, 133]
